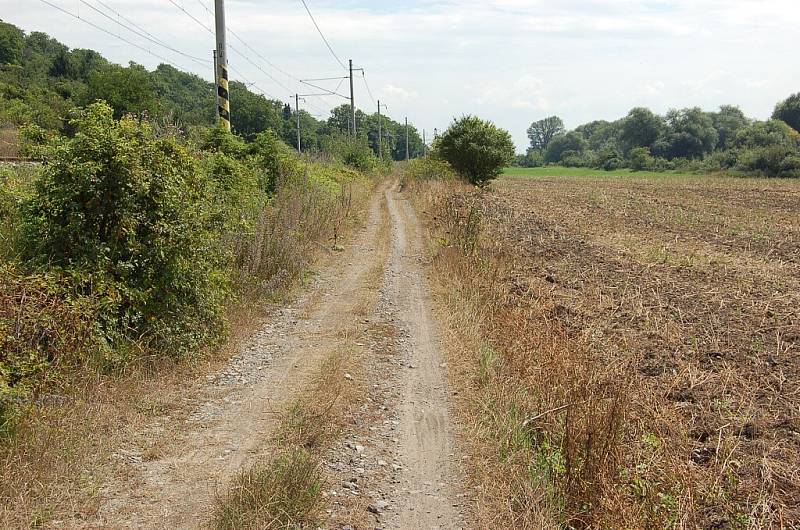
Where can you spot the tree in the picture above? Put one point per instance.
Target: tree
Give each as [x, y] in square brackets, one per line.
[570, 144]
[788, 111]
[477, 149]
[641, 159]
[12, 41]
[127, 90]
[253, 113]
[641, 128]
[691, 134]
[542, 132]
[727, 122]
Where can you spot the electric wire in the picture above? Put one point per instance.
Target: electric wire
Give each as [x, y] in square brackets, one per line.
[364, 77]
[237, 37]
[107, 32]
[146, 37]
[129, 21]
[323, 35]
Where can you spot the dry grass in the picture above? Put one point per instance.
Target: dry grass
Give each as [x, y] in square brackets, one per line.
[9, 141]
[286, 491]
[633, 348]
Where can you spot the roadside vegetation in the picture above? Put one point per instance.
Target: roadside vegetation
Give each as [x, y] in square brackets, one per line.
[133, 253]
[685, 140]
[624, 346]
[42, 79]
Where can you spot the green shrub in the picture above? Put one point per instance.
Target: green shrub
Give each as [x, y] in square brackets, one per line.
[430, 168]
[274, 160]
[476, 148]
[640, 159]
[125, 213]
[771, 161]
[40, 327]
[353, 152]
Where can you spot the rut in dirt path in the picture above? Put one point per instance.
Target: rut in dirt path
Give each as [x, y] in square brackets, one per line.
[428, 496]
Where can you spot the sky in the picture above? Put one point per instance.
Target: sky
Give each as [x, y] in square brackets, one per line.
[509, 61]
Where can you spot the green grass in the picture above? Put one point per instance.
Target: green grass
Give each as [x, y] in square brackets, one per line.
[557, 171]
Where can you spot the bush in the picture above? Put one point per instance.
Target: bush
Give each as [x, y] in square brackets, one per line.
[475, 148]
[640, 159]
[772, 161]
[430, 168]
[274, 160]
[353, 152]
[40, 327]
[125, 213]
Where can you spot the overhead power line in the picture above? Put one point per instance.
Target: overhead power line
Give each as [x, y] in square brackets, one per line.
[129, 21]
[237, 37]
[364, 77]
[323, 36]
[143, 35]
[107, 32]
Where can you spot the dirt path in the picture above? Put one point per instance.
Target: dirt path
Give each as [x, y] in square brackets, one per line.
[427, 497]
[170, 478]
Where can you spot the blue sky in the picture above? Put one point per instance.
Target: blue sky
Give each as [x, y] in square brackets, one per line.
[511, 61]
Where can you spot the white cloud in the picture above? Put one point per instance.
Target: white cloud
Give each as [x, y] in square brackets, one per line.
[400, 93]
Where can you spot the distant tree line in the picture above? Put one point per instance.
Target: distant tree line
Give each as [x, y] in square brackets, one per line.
[686, 139]
[42, 79]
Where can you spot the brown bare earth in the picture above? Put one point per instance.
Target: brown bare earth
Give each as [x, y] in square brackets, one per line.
[629, 346]
[345, 384]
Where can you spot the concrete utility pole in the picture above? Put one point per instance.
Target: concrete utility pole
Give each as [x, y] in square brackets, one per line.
[424, 145]
[297, 113]
[216, 73]
[352, 100]
[224, 105]
[380, 134]
[406, 139]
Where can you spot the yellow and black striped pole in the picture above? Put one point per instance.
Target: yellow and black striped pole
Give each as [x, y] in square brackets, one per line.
[223, 95]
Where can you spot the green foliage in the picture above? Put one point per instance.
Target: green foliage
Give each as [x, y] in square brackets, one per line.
[788, 111]
[41, 326]
[12, 41]
[253, 113]
[429, 168]
[641, 128]
[688, 139]
[123, 211]
[274, 161]
[128, 90]
[641, 159]
[571, 145]
[476, 148]
[691, 135]
[542, 132]
[353, 152]
[727, 122]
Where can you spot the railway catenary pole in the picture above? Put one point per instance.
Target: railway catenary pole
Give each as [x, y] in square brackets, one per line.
[352, 100]
[297, 113]
[380, 127]
[406, 139]
[224, 105]
[216, 73]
